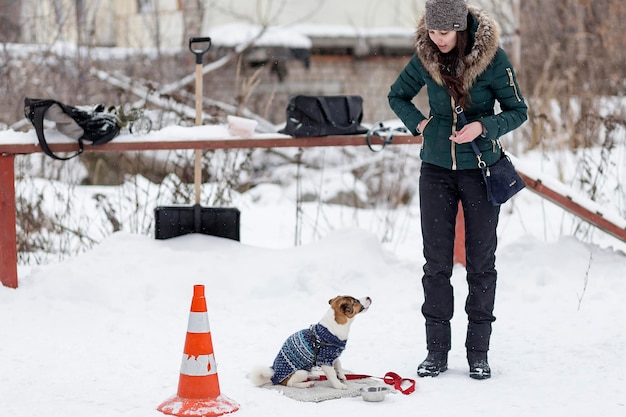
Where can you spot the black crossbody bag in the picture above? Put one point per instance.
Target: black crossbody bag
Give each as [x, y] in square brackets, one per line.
[501, 178]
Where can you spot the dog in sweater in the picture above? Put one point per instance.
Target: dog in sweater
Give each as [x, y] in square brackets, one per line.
[319, 345]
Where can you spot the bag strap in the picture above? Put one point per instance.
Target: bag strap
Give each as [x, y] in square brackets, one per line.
[327, 113]
[461, 115]
[381, 136]
[35, 110]
[481, 164]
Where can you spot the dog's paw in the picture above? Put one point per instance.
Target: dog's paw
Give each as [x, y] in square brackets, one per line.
[339, 385]
[341, 376]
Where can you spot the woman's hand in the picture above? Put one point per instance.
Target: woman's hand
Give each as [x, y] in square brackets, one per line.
[469, 132]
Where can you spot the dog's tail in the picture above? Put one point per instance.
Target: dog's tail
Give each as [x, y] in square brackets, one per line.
[261, 375]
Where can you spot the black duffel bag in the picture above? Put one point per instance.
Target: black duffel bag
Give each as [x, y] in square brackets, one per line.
[324, 116]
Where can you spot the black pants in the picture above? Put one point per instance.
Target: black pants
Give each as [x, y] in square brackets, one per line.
[440, 192]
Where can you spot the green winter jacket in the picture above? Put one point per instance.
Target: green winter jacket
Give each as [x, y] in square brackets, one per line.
[488, 75]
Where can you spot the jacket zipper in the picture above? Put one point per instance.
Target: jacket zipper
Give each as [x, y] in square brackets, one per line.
[452, 143]
[509, 71]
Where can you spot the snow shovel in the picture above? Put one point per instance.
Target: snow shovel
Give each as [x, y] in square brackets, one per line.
[173, 221]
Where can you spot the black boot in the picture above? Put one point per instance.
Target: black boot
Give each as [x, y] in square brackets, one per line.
[433, 365]
[479, 367]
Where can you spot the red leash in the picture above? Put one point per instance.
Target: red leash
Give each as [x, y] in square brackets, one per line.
[390, 378]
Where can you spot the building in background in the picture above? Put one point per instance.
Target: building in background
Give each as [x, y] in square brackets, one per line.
[356, 27]
[321, 47]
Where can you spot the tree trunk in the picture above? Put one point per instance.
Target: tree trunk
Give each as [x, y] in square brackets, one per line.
[10, 30]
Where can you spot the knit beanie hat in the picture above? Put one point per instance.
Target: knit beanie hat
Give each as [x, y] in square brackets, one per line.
[446, 15]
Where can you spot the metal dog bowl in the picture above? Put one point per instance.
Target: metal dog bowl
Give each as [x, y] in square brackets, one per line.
[375, 393]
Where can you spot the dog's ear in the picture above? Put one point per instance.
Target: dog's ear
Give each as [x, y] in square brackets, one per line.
[347, 308]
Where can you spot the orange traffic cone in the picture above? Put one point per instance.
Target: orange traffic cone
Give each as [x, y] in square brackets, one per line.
[198, 386]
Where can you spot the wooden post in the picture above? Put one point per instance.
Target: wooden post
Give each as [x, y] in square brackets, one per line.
[8, 236]
[459, 238]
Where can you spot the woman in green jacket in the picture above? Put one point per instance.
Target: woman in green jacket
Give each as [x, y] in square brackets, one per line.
[459, 60]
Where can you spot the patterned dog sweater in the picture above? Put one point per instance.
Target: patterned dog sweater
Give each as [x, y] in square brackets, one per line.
[305, 349]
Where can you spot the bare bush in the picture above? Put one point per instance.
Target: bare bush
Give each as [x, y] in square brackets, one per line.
[574, 60]
[573, 63]
[582, 41]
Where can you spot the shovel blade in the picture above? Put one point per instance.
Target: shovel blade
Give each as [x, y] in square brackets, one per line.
[173, 221]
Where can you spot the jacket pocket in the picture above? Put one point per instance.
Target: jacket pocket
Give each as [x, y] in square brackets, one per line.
[427, 123]
[509, 72]
[424, 130]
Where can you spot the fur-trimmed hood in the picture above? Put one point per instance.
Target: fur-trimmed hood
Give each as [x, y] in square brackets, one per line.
[486, 40]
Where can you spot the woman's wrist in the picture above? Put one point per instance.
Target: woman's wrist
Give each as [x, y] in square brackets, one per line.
[484, 129]
[418, 128]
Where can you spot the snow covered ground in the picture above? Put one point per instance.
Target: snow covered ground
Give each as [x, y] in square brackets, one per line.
[102, 333]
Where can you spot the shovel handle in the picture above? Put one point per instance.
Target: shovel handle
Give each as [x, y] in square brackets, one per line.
[199, 46]
[203, 46]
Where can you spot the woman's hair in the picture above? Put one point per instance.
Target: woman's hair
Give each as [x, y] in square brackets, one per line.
[451, 69]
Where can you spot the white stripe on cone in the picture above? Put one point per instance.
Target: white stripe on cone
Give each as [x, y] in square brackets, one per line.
[202, 365]
[198, 323]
